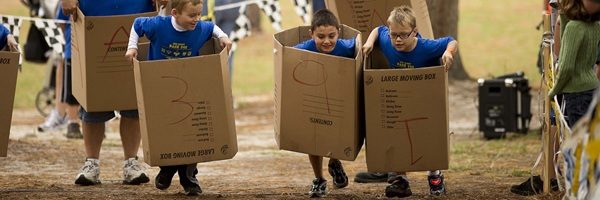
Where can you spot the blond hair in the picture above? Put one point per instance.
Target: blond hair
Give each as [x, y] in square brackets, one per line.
[403, 15]
[180, 4]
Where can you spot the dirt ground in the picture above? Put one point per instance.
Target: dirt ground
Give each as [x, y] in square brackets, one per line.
[44, 165]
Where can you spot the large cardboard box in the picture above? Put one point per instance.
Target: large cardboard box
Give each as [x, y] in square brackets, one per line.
[9, 63]
[102, 78]
[406, 109]
[365, 15]
[318, 104]
[186, 108]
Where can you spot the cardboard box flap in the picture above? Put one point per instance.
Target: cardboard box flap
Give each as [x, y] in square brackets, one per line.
[9, 63]
[366, 15]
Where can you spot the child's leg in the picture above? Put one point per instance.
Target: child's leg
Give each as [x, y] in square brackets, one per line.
[164, 177]
[317, 165]
[187, 179]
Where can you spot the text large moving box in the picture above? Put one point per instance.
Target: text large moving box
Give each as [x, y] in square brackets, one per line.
[317, 98]
[102, 79]
[9, 63]
[186, 108]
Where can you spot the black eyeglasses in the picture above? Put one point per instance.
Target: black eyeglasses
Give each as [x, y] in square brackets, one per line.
[403, 36]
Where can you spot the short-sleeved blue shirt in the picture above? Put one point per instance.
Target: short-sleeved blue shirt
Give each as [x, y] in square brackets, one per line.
[166, 42]
[427, 53]
[343, 47]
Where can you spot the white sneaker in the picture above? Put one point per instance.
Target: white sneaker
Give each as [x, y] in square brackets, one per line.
[89, 173]
[133, 172]
[53, 122]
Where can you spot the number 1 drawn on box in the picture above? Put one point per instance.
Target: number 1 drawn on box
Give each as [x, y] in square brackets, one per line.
[412, 152]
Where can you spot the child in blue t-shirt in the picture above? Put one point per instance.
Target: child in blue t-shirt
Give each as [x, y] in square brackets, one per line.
[403, 49]
[177, 36]
[325, 31]
[7, 39]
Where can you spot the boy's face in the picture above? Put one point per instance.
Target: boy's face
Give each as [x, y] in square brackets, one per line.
[403, 37]
[189, 16]
[325, 37]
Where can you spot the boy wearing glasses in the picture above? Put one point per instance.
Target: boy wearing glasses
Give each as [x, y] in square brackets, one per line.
[403, 48]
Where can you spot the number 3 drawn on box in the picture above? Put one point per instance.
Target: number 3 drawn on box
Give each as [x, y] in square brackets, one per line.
[179, 99]
[412, 152]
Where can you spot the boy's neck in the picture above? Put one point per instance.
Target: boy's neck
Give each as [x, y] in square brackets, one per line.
[414, 45]
[176, 26]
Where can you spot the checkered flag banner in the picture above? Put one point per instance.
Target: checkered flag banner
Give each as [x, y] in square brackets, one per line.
[302, 8]
[273, 10]
[241, 29]
[13, 24]
[52, 34]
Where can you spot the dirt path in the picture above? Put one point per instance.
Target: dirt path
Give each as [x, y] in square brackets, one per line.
[43, 165]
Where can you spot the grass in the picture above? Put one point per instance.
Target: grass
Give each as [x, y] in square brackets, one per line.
[494, 38]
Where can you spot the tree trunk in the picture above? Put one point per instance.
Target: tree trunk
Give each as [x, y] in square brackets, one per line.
[444, 20]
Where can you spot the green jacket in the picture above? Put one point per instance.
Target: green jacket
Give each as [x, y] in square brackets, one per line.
[578, 53]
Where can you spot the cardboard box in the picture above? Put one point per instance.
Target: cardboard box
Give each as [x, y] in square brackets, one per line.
[9, 63]
[102, 78]
[366, 15]
[186, 108]
[318, 98]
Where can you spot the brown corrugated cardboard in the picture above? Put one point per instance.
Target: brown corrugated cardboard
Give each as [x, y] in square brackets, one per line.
[102, 79]
[365, 15]
[407, 119]
[186, 108]
[9, 62]
[317, 98]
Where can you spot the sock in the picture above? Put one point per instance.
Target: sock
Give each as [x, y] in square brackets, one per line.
[436, 172]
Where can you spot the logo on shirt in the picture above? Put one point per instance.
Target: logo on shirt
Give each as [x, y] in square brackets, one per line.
[404, 65]
[176, 50]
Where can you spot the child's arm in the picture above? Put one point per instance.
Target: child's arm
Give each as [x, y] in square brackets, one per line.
[132, 46]
[69, 7]
[12, 43]
[448, 56]
[223, 39]
[368, 46]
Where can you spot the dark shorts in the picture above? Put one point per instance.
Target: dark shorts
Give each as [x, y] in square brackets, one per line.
[67, 92]
[576, 105]
[101, 117]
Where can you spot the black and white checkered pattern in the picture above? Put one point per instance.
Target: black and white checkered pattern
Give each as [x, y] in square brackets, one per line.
[302, 8]
[13, 24]
[52, 34]
[242, 28]
[273, 11]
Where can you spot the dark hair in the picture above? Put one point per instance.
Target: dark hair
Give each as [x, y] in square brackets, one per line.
[324, 17]
[574, 10]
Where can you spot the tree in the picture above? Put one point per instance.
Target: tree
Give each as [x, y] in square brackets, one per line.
[444, 21]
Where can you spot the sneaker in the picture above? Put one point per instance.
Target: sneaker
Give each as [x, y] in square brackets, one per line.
[53, 122]
[89, 173]
[193, 190]
[437, 186]
[399, 188]
[336, 170]
[133, 172]
[74, 131]
[532, 186]
[318, 188]
[163, 178]
[371, 177]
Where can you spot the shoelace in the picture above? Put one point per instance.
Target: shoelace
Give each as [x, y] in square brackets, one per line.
[133, 165]
[89, 166]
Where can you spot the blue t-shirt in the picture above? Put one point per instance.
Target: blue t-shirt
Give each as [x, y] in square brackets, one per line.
[343, 47]
[427, 53]
[115, 7]
[166, 42]
[4, 32]
[67, 32]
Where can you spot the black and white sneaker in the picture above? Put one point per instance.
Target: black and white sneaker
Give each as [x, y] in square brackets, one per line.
[399, 188]
[89, 173]
[318, 188]
[336, 170]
